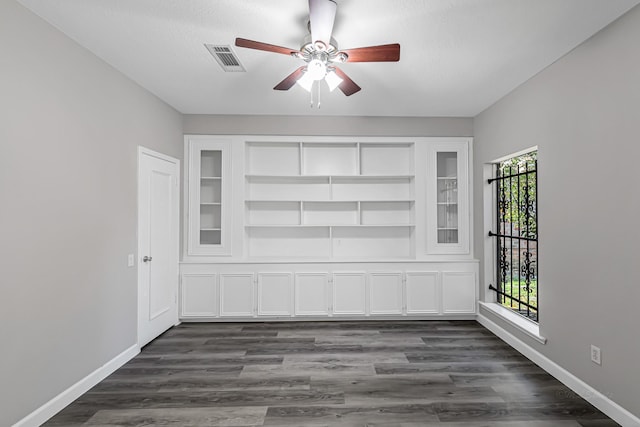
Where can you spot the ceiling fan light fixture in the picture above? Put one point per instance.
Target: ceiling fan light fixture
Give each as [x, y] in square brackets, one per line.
[333, 80]
[316, 69]
[306, 81]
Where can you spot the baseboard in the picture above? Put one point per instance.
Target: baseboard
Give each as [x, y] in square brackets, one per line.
[324, 318]
[588, 393]
[55, 405]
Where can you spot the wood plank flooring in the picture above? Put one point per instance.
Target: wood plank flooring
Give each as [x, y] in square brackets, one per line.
[373, 373]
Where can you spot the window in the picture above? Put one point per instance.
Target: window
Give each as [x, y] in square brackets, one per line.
[516, 234]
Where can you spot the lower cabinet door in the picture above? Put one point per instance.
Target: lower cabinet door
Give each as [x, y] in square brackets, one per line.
[423, 292]
[349, 293]
[237, 295]
[275, 294]
[458, 293]
[312, 294]
[385, 293]
[198, 296]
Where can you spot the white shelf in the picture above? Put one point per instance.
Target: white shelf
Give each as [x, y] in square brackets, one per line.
[286, 225]
[329, 225]
[329, 201]
[312, 176]
[336, 200]
[291, 177]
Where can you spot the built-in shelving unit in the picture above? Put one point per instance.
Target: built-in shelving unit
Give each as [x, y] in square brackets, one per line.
[314, 227]
[330, 200]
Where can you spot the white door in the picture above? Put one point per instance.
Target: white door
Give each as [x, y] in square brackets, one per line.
[158, 223]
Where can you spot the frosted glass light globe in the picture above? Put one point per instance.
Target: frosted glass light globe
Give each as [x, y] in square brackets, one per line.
[316, 69]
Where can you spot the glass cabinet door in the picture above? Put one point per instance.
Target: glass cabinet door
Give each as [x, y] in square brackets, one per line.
[210, 197]
[448, 198]
[209, 192]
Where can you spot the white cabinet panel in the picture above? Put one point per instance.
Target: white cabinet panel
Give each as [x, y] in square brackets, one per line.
[372, 242]
[372, 188]
[422, 292]
[274, 158]
[385, 293]
[301, 242]
[198, 296]
[386, 213]
[273, 213]
[458, 292]
[312, 294]
[323, 213]
[275, 294]
[236, 294]
[386, 159]
[349, 293]
[329, 159]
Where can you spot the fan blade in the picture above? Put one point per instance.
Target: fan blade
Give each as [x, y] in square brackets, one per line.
[382, 53]
[251, 44]
[348, 86]
[291, 79]
[322, 14]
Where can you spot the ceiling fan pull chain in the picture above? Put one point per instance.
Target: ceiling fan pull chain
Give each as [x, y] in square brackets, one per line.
[311, 96]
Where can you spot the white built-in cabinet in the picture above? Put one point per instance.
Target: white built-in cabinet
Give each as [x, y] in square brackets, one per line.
[327, 227]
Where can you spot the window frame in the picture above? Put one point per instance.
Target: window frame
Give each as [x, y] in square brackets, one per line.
[527, 259]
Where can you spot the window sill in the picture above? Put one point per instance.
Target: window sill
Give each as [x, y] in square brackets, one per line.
[527, 326]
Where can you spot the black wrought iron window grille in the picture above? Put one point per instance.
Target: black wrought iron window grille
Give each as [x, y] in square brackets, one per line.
[516, 186]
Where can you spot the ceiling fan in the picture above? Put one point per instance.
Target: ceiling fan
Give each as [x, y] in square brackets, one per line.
[321, 54]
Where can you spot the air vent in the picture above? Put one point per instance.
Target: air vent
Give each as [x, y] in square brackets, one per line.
[225, 57]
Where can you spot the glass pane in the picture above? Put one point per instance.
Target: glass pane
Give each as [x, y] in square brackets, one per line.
[210, 237]
[209, 217]
[447, 197]
[211, 163]
[210, 190]
[447, 164]
[210, 196]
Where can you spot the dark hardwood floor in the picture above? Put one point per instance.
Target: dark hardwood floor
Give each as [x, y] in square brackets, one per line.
[374, 373]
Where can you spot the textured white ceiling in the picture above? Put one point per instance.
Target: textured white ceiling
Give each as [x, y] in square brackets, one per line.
[457, 56]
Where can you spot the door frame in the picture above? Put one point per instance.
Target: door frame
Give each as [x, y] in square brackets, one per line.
[144, 151]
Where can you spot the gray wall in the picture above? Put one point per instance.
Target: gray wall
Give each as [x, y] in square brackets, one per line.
[331, 126]
[584, 114]
[69, 130]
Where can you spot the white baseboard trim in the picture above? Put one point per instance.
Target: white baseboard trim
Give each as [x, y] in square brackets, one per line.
[58, 403]
[588, 393]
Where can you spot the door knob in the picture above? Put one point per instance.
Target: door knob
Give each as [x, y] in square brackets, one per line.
[146, 258]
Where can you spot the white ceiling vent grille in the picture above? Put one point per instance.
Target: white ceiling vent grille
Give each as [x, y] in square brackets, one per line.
[225, 57]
